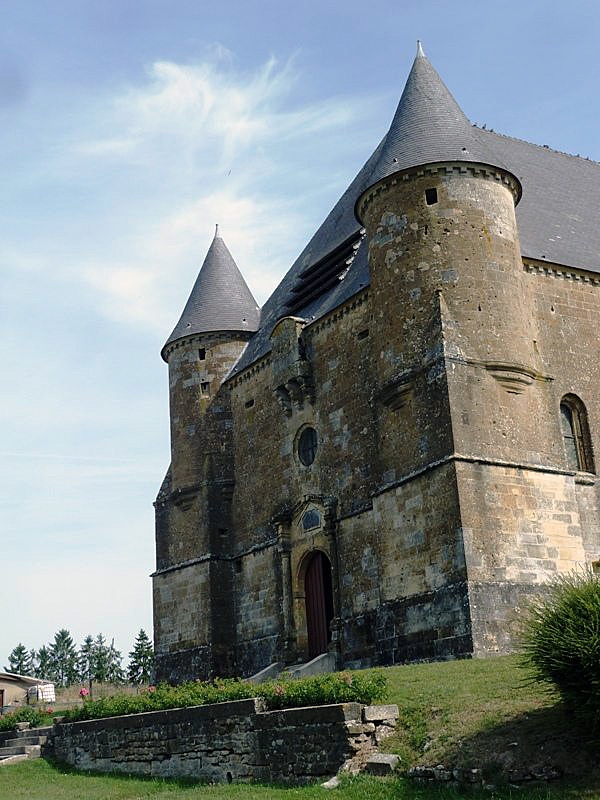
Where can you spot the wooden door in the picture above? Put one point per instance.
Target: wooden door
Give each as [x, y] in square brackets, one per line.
[319, 604]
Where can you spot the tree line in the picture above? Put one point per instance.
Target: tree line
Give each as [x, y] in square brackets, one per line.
[96, 661]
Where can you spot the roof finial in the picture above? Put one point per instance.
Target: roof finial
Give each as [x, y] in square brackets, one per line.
[420, 51]
[217, 231]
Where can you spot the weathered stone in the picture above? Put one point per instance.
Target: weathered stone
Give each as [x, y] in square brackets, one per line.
[382, 763]
[438, 491]
[380, 713]
[224, 742]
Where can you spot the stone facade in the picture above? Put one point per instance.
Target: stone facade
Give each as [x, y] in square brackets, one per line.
[387, 461]
[227, 742]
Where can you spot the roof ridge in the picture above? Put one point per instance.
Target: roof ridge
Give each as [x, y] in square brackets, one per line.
[494, 132]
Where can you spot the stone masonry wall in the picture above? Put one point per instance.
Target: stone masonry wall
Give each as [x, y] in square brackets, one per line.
[408, 598]
[227, 742]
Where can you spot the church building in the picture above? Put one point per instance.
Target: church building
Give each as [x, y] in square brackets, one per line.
[388, 459]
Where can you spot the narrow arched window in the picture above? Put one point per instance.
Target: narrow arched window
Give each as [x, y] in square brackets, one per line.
[576, 434]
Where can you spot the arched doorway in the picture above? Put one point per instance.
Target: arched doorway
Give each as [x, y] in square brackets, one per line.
[319, 603]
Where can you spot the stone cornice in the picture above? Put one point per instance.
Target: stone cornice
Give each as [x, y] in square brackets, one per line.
[444, 169]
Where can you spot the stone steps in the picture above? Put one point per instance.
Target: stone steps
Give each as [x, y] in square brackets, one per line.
[5, 760]
[27, 744]
[23, 740]
[30, 750]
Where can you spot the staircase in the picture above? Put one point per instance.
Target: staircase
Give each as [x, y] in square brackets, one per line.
[326, 662]
[19, 745]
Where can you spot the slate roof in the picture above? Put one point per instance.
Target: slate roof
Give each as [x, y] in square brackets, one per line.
[558, 214]
[429, 126]
[220, 299]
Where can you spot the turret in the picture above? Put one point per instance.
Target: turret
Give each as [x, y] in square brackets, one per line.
[218, 319]
[445, 266]
[193, 508]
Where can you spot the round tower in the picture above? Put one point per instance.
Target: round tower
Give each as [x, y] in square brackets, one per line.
[447, 286]
[217, 321]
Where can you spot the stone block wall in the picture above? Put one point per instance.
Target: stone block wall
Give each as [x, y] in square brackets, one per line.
[227, 742]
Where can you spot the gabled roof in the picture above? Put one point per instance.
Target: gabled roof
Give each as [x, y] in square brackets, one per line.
[220, 299]
[27, 679]
[557, 215]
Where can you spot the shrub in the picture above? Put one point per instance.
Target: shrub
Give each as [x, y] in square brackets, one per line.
[334, 687]
[339, 687]
[8, 722]
[561, 641]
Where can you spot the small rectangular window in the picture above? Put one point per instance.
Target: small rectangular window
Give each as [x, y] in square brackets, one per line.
[431, 196]
[205, 387]
[202, 353]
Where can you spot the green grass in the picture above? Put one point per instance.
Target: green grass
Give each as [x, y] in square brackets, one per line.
[480, 713]
[447, 707]
[38, 780]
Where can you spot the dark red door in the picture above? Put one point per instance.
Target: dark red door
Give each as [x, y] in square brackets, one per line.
[319, 604]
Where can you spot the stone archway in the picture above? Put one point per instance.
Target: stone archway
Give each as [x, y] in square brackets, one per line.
[318, 593]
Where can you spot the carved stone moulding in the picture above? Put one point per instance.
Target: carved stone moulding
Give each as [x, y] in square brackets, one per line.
[514, 378]
[395, 394]
[184, 498]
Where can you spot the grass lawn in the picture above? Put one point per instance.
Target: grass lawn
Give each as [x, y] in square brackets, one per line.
[479, 713]
[38, 780]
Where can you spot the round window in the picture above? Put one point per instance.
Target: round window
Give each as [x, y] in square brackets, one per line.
[307, 446]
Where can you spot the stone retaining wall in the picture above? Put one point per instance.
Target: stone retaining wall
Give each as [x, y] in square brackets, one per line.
[234, 741]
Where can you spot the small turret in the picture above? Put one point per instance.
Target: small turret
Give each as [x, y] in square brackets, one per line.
[218, 319]
[219, 301]
[193, 508]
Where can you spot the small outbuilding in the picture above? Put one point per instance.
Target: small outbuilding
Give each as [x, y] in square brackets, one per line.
[21, 690]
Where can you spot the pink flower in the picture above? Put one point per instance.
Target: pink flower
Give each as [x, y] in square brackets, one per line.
[83, 692]
[152, 688]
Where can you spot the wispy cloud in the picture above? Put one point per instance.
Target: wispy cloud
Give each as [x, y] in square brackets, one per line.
[197, 144]
[109, 220]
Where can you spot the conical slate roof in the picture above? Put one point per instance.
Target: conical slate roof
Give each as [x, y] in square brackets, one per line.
[429, 126]
[557, 214]
[220, 299]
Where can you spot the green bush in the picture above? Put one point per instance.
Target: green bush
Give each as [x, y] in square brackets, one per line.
[8, 722]
[333, 687]
[561, 641]
[338, 687]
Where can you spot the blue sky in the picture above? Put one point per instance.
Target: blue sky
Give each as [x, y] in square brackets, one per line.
[128, 129]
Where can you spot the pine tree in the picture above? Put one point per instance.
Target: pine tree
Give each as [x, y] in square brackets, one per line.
[43, 664]
[86, 661]
[63, 658]
[100, 659]
[141, 659]
[19, 661]
[115, 673]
